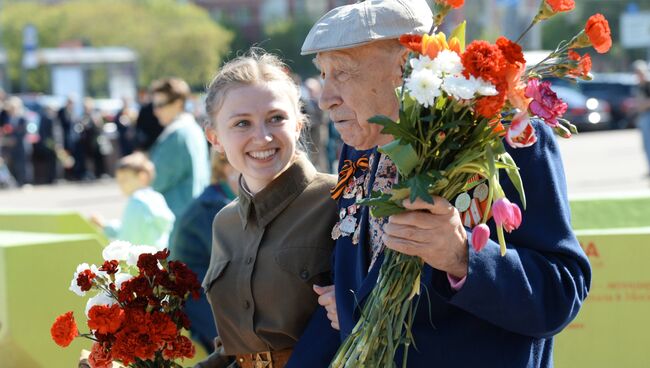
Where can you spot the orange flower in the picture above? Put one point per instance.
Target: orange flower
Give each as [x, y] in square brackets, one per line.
[432, 45]
[511, 51]
[453, 3]
[561, 5]
[584, 64]
[597, 29]
[482, 59]
[64, 329]
[411, 42]
[516, 90]
[489, 106]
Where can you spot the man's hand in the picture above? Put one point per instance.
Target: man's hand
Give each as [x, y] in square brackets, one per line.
[433, 232]
[327, 299]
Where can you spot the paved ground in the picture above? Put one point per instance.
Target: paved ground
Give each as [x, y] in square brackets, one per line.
[597, 164]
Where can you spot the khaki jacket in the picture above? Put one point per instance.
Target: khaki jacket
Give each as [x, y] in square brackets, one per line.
[268, 251]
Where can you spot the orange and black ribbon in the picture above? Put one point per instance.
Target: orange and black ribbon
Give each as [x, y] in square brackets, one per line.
[346, 173]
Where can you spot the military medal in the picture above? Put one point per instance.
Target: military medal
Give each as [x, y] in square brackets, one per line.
[348, 225]
[462, 202]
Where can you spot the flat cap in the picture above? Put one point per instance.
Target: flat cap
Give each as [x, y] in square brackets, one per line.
[358, 24]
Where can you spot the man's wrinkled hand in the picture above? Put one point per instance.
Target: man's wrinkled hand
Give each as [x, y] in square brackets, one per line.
[434, 232]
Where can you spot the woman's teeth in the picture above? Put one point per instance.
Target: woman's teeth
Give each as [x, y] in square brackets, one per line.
[262, 155]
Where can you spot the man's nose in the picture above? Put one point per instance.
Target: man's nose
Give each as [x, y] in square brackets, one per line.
[330, 96]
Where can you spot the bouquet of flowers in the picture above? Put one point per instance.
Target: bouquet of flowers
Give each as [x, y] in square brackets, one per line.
[135, 316]
[457, 107]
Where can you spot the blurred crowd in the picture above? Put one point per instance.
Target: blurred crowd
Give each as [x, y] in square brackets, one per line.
[44, 138]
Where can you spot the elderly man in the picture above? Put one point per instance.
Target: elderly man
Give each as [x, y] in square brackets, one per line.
[479, 309]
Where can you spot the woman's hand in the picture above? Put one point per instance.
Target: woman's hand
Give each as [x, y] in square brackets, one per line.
[327, 299]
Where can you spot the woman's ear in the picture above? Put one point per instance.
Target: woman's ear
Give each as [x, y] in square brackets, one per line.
[212, 137]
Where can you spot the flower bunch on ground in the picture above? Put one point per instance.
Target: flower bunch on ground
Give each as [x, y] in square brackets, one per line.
[135, 316]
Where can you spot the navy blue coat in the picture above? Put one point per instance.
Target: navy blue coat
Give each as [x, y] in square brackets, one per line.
[508, 310]
[192, 244]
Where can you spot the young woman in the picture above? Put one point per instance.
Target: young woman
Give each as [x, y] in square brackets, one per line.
[273, 243]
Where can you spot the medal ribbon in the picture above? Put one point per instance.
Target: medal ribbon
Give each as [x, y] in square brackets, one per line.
[346, 173]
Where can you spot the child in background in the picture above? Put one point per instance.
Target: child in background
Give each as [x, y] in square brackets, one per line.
[147, 219]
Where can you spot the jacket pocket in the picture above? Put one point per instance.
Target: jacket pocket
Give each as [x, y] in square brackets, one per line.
[308, 264]
[215, 270]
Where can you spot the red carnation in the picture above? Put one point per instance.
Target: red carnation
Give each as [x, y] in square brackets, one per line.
[64, 329]
[85, 279]
[584, 64]
[511, 51]
[545, 103]
[412, 42]
[489, 106]
[453, 3]
[185, 279]
[110, 267]
[597, 29]
[100, 357]
[148, 264]
[484, 60]
[182, 347]
[105, 319]
[162, 327]
[561, 5]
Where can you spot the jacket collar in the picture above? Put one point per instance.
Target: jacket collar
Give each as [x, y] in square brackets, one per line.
[266, 205]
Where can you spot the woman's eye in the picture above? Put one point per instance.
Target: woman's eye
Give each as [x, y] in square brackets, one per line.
[278, 118]
[241, 123]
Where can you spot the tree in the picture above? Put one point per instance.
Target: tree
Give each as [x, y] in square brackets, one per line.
[170, 38]
[285, 38]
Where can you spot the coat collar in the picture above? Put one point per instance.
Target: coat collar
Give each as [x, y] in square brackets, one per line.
[266, 205]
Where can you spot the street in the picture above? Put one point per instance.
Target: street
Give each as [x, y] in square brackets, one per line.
[606, 164]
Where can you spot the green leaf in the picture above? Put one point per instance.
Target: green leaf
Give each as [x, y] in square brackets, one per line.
[402, 154]
[419, 185]
[515, 178]
[459, 32]
[398, 131]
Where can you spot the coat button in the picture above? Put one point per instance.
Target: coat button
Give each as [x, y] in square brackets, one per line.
[247, 304]
[304, 274]
[249, 260]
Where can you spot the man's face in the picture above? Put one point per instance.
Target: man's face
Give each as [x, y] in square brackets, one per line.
[358, 84]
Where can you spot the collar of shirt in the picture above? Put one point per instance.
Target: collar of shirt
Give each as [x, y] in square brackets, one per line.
[263, 207]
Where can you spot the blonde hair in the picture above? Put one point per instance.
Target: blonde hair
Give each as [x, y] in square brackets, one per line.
[257, 67]
[138, 163]
[218, 162]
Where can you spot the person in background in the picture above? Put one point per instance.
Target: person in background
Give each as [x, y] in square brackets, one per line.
[146, 219]
[180, 153]
[147, 126]
[125, 120]
[192, 242]
[643, 105]
[16, 131]
[44, 154]
[317, 119]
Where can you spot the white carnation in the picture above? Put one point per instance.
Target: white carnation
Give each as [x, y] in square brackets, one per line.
[117, 250]
[73, 284]
[99, 299]
[136, 250]
[447, 62]
[121, 278]
[424, 86]
[486, 88]
[460, 87]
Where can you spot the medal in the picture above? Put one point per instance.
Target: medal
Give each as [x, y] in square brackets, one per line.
[348, 225]
[462, 202]
[481, 192]
[336, 231]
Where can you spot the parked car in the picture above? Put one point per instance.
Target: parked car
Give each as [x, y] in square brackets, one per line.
[619, 90]
[586, 113]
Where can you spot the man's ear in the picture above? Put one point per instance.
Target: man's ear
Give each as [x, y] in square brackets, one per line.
[403, 57]
[212, 137]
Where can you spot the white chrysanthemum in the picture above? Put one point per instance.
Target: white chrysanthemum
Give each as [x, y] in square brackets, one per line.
[447, 62]
[460, 87]
[421, 62]
[99, 299]
[73, 284]
[136, 250]
[424, 86]
[486, 88]
[117, 250]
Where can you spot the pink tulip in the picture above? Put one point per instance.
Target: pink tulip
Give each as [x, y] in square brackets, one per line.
[506, 214]
[480, 236]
